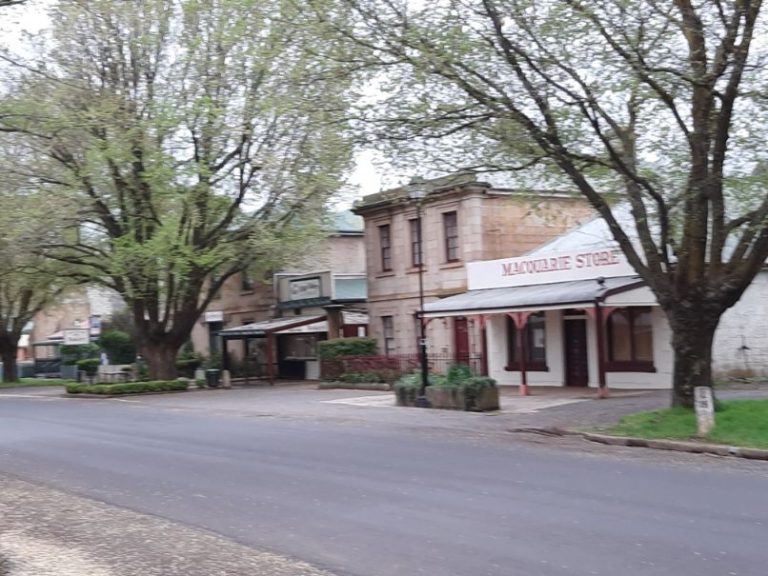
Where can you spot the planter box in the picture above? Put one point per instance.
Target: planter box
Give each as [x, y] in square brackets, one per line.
[445, 398]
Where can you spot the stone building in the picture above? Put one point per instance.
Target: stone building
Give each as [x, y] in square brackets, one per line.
[463, 220]
[275, 324]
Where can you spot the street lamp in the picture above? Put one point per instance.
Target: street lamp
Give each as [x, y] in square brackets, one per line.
[417, 190]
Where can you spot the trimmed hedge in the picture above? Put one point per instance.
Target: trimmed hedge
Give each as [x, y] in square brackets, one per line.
[128, 388]
[357, 346]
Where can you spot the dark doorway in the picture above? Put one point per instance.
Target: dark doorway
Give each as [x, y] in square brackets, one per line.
[576, 362]
[461, 340]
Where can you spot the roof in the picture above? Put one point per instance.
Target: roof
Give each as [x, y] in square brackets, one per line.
[436, 186]
[347, 222]
[269, 326]
[536, 297]
[593, 234]
[291, 325]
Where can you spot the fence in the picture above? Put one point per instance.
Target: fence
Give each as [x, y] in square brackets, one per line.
[395, 365]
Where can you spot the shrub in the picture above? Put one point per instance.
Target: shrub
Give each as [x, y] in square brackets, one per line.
[457, 373]
[88, 365]
[71, 354]
[475, 384]
[128, 388]
[119, 346]
[369, 377]
[187, 366]
[358, 346]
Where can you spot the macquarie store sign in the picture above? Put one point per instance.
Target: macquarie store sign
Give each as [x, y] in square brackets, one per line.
[548, 268]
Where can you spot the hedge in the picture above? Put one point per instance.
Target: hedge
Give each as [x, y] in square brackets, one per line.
[128, 388]
[358, 346]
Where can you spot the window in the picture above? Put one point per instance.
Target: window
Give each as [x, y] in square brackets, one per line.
[388, 328]
[535, 344]
[214, 340]
[451, 233]
[385, 246]
[415, 242]
[246, 282]
[630, 340]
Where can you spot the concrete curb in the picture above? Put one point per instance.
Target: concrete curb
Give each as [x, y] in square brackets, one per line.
[656, 444]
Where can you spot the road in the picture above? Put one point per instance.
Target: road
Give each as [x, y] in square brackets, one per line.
[376, 500]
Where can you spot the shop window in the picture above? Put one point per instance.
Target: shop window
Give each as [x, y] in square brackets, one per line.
[385, 247]
[451, 233]
[630, 340]
[214, 340]
[415, 242]
[388, 330]
[535, 334]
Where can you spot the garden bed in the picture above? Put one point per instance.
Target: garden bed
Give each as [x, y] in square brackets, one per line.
[122, 389]
[458, 389]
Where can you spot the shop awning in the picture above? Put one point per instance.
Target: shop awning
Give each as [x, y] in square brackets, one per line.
[536, 297]
[265, 327]
[291, 325]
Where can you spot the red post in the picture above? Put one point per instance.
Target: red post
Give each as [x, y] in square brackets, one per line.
[601, 317]
[521, 319]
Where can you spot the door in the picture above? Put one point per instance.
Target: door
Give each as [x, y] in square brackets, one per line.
[461, 340]
[576, 363]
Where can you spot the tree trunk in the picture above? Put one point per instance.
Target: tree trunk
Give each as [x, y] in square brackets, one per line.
[161, 360]
[8, 352]
[693, 332]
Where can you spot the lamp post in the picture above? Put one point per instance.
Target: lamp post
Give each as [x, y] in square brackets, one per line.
[417, 190]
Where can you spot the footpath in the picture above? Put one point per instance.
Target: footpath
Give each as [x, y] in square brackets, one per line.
[46, 532]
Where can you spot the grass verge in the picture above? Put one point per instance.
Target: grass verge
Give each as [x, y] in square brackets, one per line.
[28, 382]
[737, 423]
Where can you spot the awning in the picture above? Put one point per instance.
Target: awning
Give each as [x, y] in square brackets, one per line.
[269, 326]
[553, 296]
[291, 325]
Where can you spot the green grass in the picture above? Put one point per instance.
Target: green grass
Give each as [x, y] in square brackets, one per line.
[25, 382]
[737, 423]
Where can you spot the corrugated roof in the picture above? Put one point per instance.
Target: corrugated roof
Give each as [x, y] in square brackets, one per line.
[272, 325]
[539, 296]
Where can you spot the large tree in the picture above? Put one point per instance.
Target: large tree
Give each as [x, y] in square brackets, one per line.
[199, 137]
[28, 281]
[659, 104]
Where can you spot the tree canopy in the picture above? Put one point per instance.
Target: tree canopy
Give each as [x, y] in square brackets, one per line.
[658, 104]
[199, 139]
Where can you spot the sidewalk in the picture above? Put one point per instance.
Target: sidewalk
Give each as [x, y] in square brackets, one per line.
[46, 532]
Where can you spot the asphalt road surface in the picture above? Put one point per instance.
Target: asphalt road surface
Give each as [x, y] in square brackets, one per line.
[372, 500]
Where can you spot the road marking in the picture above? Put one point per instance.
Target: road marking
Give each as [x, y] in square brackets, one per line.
[377, 401]
[33, 396]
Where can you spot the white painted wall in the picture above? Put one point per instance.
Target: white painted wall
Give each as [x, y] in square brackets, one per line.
[555, 376]
[746, 324]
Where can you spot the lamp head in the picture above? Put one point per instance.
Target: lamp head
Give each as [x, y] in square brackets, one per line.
[417, 188]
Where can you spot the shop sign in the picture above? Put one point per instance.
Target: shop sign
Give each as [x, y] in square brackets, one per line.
[548, 268]
[76, 337]
[214, 316]
[305, 288]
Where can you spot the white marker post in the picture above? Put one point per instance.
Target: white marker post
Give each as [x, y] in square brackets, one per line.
[705, 409]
